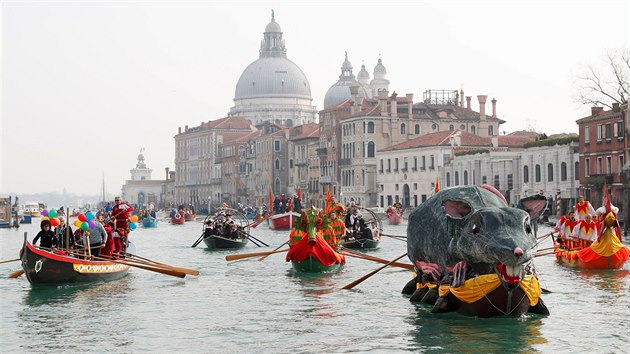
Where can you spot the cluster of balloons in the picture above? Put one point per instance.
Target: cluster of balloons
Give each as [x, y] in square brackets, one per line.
[52, 216]
[85, 221]
[134, 220]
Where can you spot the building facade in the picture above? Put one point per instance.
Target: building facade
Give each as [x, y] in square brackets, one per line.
[141, 189]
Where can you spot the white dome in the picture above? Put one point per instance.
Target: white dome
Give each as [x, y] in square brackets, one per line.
[340, 92]
[272, 77]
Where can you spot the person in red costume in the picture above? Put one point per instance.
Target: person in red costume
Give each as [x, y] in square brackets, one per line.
[120, 216]
[583, 208]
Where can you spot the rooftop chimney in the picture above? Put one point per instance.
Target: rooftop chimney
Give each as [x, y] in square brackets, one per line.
[495, 140]
[461, 98]
[468, 101]
[595, 111]
[167, 173]
[179, 130]
[409, 104]
[494, 107]
[482, 106]
[186, 128]
[394, 105]
[354, 92]
[382, 96]
[615, 107]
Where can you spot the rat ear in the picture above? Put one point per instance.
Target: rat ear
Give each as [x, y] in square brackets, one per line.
[456, 209]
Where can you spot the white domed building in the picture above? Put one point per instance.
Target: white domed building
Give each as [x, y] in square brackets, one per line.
[340, 91]
[273, 88]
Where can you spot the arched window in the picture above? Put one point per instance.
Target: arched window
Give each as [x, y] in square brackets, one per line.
[434, 126]
[417, 129]
[448, 179]
[550, 172]
[576, 171]
[465, 178]
[563, 171]
[473, 130]
[403, 129]
[371, 148]
[462, 127]
[525, 174]
[451, 127]
[537, 173]
[370, 127]
[457, 178]
[490, 130]
[277, 164]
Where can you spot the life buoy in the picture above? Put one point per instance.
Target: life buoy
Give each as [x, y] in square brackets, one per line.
[177, 216]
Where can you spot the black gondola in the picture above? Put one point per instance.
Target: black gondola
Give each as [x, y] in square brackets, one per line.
[216, 236]
[44, 267]
[358, 240]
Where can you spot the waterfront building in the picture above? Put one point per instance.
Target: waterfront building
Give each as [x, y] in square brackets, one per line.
[273, 88]
[603, 150]
[303, 144]
[141, 189]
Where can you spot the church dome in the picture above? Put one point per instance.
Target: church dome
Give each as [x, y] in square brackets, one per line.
[340, 91]
[272, 76]
[363, 76]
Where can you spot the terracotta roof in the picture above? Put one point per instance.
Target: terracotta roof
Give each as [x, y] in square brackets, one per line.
[515, 140]
[441, 139]
[305, 131]
[229, 123]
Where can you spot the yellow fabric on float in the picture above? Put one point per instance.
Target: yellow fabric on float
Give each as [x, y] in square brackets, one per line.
[476, 288]
[608, 244]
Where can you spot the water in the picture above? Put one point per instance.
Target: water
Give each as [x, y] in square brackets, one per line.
[250, 306]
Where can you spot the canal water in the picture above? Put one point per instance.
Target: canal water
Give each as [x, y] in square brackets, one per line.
[264, 307]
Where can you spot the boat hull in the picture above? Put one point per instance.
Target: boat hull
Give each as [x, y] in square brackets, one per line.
[361, 244]
[220, 243]
[600, 263]
[178, 221]
[149, 222]
[499, 302]
[190, 217]
[42, 267]
[311, 265]
[283, 221]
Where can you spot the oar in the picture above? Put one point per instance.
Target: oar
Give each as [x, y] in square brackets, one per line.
[375, 259]
[170, 272]
[394, 236]
[399, 238]
[277, 248]
[543, 254]
[198, 241]
[251, 239]
[254, 238]
[10, 260]
[546, 235]
[234, 257]
[360, 280]
[179, 269]
[16, 274]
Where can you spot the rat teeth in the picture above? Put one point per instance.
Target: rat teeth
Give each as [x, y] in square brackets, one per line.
[513, 271]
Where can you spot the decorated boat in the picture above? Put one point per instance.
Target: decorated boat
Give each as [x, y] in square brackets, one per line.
[225, 229]
[368, 235]
[284, 221]
[45, 267]
[149, 221]
[607, 252]
[473, 253]
[188, 216]
[177, 217]
[308, 251]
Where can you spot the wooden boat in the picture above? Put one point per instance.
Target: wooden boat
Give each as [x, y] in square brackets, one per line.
[149, 222]
[177, 219]
[217, 237]
[606, 253]
[312, 253]
[356, 241]
[284, 221]
[44, 267]
[190, 216]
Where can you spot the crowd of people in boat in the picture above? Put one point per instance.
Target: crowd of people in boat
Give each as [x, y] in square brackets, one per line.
[579, 228]
[106, 236]
[283, 204]
[222, 224]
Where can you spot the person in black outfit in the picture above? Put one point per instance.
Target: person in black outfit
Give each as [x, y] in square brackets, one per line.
[47, 236]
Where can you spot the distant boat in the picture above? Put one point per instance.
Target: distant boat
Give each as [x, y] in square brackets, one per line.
[284, 221]
[149, 222]
[32, 209]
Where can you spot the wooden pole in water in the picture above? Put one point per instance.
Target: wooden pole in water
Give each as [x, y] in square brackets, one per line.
[67, 230]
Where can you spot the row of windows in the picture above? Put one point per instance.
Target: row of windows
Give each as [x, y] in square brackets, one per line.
[550, 170]
[368, 128]
[600, 165]
[604, 131]
[405, 164]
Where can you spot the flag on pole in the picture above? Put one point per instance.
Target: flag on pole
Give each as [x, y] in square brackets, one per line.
[299, 193]
[328, 201]
[437, 184]
[270, 200]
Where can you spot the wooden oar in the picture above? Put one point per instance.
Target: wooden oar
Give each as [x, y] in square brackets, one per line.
[543, 254]
[376, 259]
[16, 274]
[277, 248]
[394, 236]
[546, 235]
[234, 257]
[360, 280]
[10, 260]
[179, 269]
[156, 269]
[252, 238]
[198, 241]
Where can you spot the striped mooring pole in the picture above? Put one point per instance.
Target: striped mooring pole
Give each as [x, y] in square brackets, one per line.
[558, 202]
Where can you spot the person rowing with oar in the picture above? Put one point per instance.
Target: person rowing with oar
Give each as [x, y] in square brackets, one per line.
[120, 217]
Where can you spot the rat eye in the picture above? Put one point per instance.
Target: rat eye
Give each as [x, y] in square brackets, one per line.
[475, 229]
[528, 228]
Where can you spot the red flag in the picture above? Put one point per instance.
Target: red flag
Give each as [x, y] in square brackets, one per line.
[299, 193]
[437, 185]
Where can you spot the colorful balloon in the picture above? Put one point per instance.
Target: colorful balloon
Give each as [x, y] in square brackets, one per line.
[85, 226]
[45, 218]
[173, 212]
[45, 212]
[82, 217]
[52, 213]
[91, 224]
[78, 223]
[89, 216]
[54, 221]
[134, 218]
[132, 225]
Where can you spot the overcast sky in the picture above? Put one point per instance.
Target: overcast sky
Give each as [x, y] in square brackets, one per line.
[86, 84]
